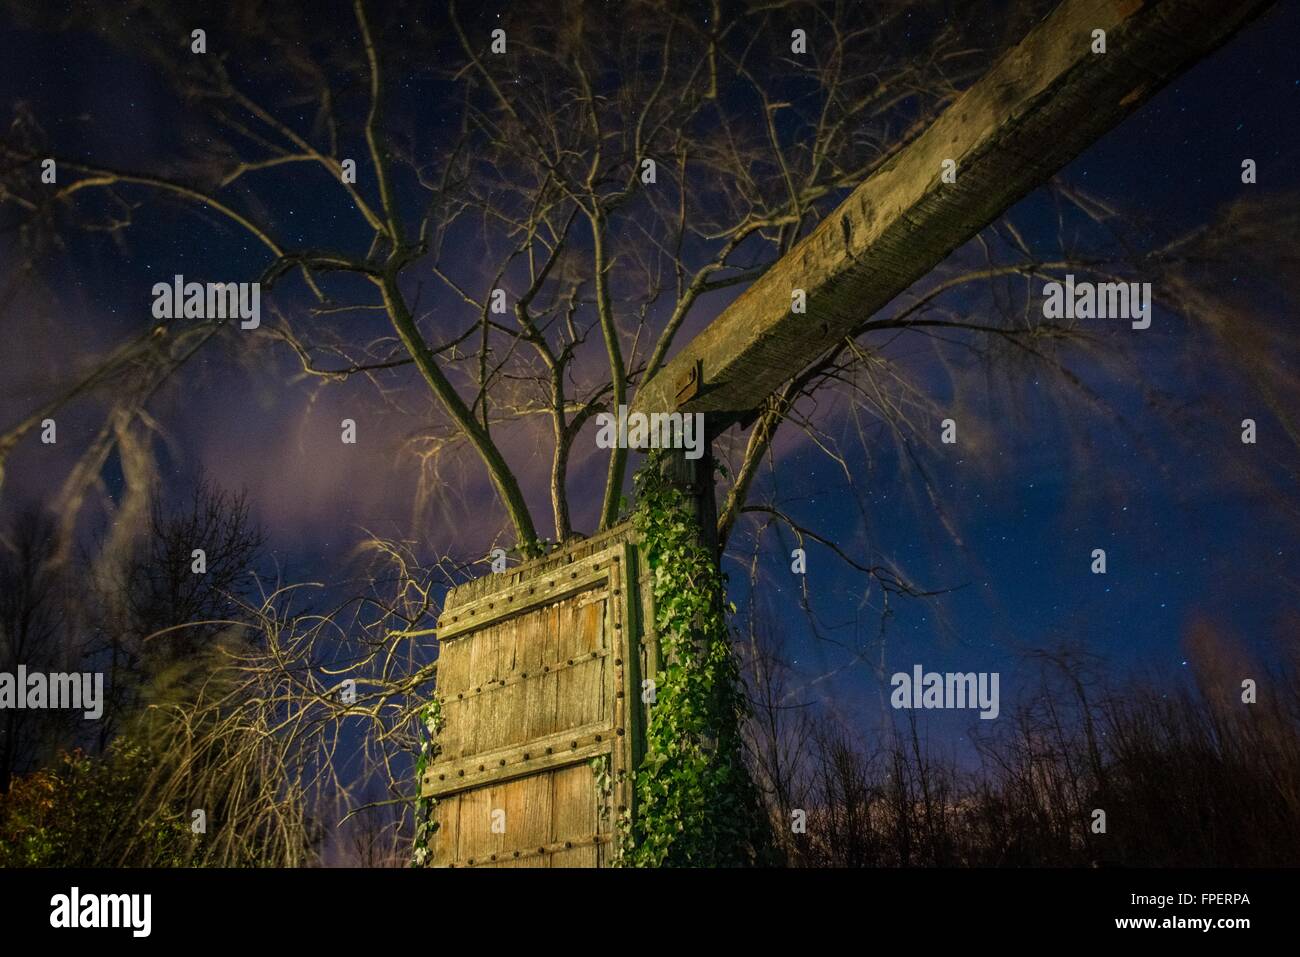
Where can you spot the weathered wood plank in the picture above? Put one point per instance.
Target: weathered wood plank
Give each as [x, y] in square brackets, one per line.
[475, 839]
[624, 685]
[575, 816]
[479, 770]
[530, 684]
[482, 667]
[524, 574]
[1037, 108]
[571, 707]
[446, 838]
[527, 803]
[542, 699]
[507, 700]
[533, 593]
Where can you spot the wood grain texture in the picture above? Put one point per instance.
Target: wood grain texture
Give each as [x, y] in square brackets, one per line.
[531, 694]
[1039, 106]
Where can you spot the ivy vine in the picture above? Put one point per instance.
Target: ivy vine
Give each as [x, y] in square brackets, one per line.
[696, 805]
[431, 722]
[604, 781]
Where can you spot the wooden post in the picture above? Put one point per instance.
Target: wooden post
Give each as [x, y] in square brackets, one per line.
[695, 478]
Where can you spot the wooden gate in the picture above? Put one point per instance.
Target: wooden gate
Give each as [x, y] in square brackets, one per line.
[539, 673]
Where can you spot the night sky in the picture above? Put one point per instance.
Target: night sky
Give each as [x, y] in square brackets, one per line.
[1040, 484]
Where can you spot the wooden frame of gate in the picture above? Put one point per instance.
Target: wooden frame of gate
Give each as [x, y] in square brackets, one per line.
[539, 674]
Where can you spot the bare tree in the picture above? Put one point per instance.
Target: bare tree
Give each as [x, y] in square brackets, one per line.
[33, 632]
[181, 585]
[602, 259]
[608, 179]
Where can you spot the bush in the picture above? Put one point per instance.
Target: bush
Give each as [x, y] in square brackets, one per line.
[82, 812]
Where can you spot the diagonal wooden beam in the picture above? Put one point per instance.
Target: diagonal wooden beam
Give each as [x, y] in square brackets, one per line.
[1039, 106]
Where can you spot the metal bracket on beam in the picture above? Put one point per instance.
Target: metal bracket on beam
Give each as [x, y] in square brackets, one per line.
[690, 383]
